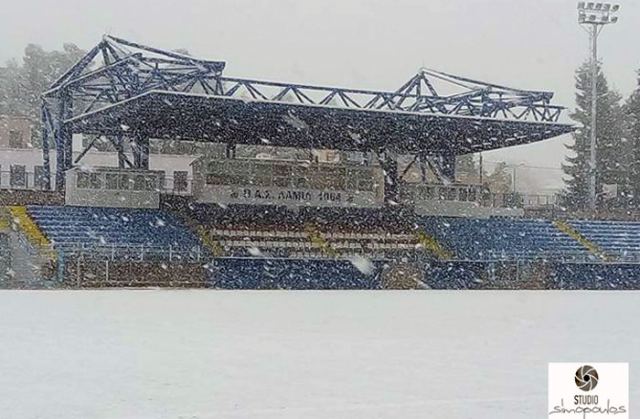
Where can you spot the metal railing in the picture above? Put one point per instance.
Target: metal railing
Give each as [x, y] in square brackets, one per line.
[133, 253]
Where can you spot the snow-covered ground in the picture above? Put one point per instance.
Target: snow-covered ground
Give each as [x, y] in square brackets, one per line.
[213, 354]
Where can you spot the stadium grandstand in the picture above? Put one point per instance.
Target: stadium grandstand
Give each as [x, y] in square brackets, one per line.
[158, 170]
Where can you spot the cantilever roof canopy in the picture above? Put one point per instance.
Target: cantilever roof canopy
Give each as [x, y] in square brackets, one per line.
[200, 117]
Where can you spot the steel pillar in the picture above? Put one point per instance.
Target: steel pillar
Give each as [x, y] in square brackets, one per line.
[141, 152]
[389, 163]
[448, 166]
[62, 136]
[45, 147]
[230, 151]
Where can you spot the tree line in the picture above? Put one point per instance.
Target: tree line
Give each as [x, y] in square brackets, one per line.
[617, 146]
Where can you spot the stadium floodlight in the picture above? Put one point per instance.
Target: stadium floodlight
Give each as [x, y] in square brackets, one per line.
[599, 14]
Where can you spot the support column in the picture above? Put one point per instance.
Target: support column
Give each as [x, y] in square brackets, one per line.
[45, 148]
[119, 146]
[389, 163]
[144, 153]
[140, 152]
[449, 166]
[68, 149]
[423, 169]
[62, 136]
[230, 151]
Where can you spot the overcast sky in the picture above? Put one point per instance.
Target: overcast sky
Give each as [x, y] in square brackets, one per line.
[377, 44]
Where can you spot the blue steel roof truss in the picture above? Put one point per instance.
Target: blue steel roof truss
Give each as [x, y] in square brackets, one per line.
[116, 71]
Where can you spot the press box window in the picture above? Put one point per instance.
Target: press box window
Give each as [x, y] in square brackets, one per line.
[139, 183]
[95, 180]
[15, 139]
[111, 181]
[40, 179]
[18, 176]
[83, 181]
[126, 182]
[180, 182]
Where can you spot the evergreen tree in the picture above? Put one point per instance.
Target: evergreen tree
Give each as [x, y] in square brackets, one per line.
[612, 154]
[22, 85]
[632, 111]
[500, 180]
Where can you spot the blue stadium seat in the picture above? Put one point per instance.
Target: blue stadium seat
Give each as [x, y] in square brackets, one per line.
[501, 238]
[88, 226]
[596, 276]
[258, 273]
[453, 275]
[613, 237]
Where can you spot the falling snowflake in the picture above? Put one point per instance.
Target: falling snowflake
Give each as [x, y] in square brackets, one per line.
[254, 251]
[295, 122]
[363, 264]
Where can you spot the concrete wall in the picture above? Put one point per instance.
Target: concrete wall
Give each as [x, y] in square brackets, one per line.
[33, 157]
[112, 198]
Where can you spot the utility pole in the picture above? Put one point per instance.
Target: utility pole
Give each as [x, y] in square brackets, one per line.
[595, 16]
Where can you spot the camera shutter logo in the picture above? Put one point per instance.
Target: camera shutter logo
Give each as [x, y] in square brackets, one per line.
[586, 378]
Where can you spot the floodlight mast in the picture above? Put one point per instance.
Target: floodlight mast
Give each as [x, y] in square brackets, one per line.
[595, 16]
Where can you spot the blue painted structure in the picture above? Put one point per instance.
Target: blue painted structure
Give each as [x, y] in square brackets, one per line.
[619, 238]
[502, 238]
[89, 227]
[130, 92]
[301, 274]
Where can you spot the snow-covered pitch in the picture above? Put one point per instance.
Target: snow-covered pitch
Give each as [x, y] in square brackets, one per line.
[154, 354]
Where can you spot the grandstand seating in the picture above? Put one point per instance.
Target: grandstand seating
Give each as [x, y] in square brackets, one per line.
[453, 275]
[502, 238]
[596, 276]
[291, 255]
[260, 217]
[91, 227]
[287, 243]
[31, 230]
[259, 273]
[618, 238]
